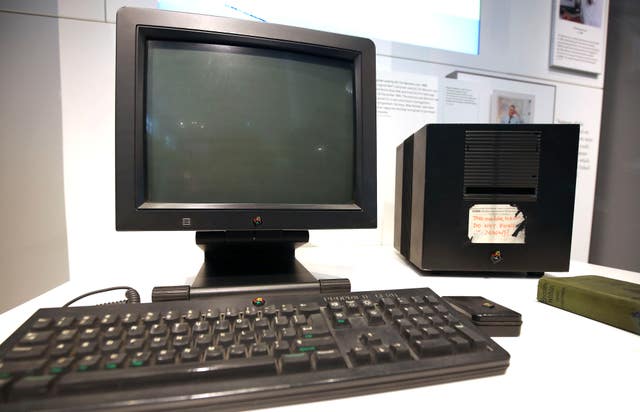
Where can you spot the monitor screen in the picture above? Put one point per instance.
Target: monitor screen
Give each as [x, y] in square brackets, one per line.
[232, 124]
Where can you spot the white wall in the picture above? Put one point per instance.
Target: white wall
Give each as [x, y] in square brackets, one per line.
[515, 38]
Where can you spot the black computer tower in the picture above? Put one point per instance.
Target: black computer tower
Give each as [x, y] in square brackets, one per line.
[486, 197]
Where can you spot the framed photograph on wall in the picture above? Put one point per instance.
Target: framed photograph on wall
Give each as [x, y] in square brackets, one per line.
[577, 34]
[512, 108]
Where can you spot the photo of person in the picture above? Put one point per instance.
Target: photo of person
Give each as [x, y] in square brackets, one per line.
[587, 12]
[511, 108]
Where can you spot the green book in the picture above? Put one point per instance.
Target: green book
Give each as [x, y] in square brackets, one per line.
[611, 301]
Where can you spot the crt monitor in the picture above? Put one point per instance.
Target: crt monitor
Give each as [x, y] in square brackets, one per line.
[248, 133]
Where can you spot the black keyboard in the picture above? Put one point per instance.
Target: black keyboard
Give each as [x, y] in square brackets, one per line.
[239, 352]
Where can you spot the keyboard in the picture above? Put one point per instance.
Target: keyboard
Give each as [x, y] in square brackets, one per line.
[239, 352]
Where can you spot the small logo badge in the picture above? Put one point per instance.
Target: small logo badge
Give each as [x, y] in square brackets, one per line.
[496, 257]
[258, 301]
[186, 221]
[257, 221]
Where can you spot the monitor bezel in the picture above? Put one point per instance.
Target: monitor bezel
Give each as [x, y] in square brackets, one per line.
[136, 26]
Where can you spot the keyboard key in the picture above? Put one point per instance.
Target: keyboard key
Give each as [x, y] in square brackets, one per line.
[361, 355]
[246, 337]
[170, 374]
[477, 339]
[418, 300]
[35, 338]
[431, 332]
[388, 303]
[328, 359]
[171, 317]
[261, 324]
[281, 322]
[135, 331]
[335, 306]
[267, 336]
[87, 321]
[212, 314]
[214, 353]
[89, 334]
[395, 313]
[165, 356]
[311, 344]
[298, 320]
[201, 326]
[108, 320]
[64, 322]
[402, 301]
[340, 320]
[180, 342]
[436, 320]
[61, 349]
[352, 307]
[295, 362]
[308, 308]
[88, 363]
[158, 343]
[400, 351]
[374, 317]
[231, 314]
[426, 310]
[140, 358]
[158, 329]
[411, 334]
[357, 322]
[370, 338]
[115, 360]
[151, 317]
[287, 310]
[42, 324]
[287, 333]
[192, 315]
[130, 319]
[204, 340]
[242, 324]
[237, 351]
[87, 348]
[221, 326]
[460, 344]
[113, 332]
[67, 335]
[259, 349]
[13, 369]
[281, 347]
[180, 328]
[381, 353]
[134, 345]
[432, 347]
[60, 365]
[190, 355]
[110, 345]
[25, 352]
[31, 386]
[225, 339]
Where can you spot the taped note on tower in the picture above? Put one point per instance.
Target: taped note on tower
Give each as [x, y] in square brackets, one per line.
[496, 224]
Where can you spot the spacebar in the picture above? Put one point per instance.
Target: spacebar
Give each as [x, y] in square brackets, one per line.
[130, 378]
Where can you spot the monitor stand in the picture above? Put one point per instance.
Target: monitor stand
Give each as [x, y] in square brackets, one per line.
[251, 262]
[237, 258]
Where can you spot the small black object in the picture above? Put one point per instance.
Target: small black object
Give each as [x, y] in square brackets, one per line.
[491, 318]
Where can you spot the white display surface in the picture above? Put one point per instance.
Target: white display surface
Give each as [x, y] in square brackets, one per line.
[560, 359]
